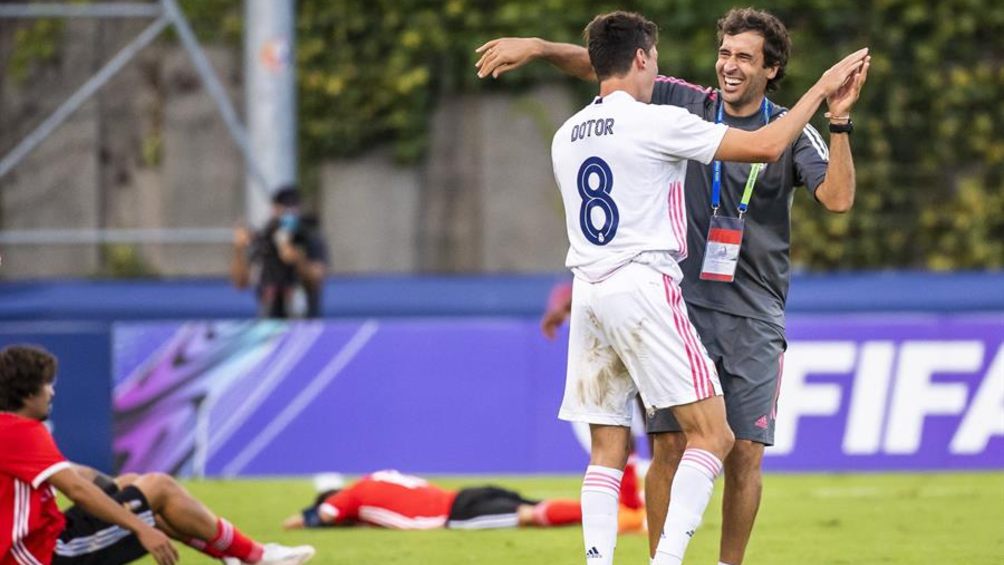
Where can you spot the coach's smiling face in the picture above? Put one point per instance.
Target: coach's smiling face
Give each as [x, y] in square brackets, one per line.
[742, 76]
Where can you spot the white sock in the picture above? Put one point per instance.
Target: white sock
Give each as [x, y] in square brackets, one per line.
[600, 495]
[688, 497]
[723, 563]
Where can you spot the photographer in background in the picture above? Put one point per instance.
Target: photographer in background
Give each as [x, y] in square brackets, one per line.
[286, 260]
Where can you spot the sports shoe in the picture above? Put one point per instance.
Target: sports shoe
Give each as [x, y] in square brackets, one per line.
[276, 554]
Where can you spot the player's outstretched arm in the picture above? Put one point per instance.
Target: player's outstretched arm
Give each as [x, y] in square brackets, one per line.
[89, 497]
[505, 54]
[768, 143]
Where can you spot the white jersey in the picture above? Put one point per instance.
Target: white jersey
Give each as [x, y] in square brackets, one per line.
[621, 165]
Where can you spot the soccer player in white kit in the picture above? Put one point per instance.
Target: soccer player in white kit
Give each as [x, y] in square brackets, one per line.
[620, 164]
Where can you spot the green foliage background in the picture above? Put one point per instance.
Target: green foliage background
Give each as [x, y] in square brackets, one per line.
[928, 147]
[929, 152]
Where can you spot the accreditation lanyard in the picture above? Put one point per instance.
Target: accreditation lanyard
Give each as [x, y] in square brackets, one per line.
[725, 234]
[716, 177]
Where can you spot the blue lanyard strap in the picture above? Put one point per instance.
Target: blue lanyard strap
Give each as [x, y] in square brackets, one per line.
[716, 177]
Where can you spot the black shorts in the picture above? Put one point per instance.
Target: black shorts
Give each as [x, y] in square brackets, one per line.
[486, 507]
[749, 356]
[90, 541]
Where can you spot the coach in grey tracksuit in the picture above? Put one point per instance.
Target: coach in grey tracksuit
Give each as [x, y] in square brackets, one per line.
[741, 322]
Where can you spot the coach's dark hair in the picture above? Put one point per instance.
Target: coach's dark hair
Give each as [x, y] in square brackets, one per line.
[613, 39]
[24, 370]
[776, 42]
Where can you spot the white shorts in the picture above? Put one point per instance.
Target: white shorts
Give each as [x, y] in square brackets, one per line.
[630, 334]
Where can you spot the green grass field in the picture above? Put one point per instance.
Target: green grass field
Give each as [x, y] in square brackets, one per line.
[805, 519]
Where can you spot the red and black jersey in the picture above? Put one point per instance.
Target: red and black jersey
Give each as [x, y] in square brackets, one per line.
[390, 499]
[30, 521]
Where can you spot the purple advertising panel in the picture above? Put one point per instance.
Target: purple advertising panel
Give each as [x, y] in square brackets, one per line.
[885, 393]
[481, 396]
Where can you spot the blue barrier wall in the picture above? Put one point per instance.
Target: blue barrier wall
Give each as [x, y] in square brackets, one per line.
[358, 297]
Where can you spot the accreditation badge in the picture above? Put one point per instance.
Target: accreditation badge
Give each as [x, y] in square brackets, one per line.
[725, 236]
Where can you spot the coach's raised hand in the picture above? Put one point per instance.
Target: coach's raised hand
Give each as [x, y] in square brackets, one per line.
[843, 73]
[840, 102]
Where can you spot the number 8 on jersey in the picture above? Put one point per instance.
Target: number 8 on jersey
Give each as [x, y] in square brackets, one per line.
[598, 197]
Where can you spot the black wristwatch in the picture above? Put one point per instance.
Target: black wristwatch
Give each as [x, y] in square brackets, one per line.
[842, 128]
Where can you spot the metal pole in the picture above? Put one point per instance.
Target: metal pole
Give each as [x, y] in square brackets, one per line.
[81, 95]
[217, 92]
[80, 10]
[270, 94]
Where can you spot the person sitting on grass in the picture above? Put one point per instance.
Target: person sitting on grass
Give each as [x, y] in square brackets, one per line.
[130, 517]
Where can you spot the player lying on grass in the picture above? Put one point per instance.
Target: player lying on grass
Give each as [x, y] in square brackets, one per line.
[389, 499]
[117, 525]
